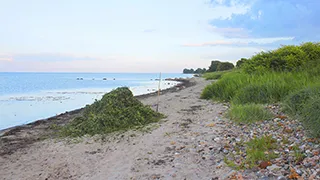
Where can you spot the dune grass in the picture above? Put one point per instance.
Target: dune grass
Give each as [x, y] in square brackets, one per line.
[269, 87]
[214, 75]
[245, 91]
[311, 116]
[295, 102]
[289, 75]
[248, 113]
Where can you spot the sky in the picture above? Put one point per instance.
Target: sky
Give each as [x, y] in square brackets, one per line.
[147, 36]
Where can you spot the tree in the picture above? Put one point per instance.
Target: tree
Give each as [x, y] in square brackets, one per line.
[188, 71]
[223, 66]
[214, 66]
[200, 71]
[240, 62]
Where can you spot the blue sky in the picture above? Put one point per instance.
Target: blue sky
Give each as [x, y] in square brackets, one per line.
[146, 36]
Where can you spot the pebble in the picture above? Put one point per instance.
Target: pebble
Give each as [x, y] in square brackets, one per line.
[273, 167]
[225, 151]
[281, 178]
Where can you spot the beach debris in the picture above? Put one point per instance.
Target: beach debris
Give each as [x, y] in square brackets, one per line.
[210, 125]
[117, 110]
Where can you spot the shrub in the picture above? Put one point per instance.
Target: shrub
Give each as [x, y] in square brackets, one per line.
[248, 113]
[117, 110]
[241, 62]
[286, 58]
[214, 66]
[224, 66]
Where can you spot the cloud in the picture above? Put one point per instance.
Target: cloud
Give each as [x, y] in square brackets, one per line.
[275, 18]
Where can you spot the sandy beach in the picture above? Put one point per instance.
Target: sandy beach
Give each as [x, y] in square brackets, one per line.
[170, 149]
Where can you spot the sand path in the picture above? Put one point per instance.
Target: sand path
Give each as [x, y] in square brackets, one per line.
[182, 146]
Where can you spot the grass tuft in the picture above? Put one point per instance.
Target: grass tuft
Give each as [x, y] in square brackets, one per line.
[260, 149]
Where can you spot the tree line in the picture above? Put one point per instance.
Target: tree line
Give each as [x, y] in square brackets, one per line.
[214, 66]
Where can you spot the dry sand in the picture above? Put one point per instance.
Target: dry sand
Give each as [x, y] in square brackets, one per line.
[181, 146]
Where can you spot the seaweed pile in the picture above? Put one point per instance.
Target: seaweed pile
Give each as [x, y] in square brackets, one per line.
[117, 110]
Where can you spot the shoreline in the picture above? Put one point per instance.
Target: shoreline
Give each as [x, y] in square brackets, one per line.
[194, 141]
[38, 129]
[182, 82]
[179, 146]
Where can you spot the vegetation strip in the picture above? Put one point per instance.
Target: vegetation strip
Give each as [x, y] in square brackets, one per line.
[284, 147]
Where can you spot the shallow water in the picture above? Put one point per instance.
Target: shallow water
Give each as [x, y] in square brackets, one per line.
[26, 97]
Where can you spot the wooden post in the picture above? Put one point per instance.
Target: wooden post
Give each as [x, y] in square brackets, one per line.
[159, 92]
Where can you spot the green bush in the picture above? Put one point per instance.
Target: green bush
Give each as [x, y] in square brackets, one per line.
[248, 113]
[117, 110]
[310, 116]
[286, 58]
[224, 66]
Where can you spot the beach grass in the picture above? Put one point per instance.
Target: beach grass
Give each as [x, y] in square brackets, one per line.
[214, 75]
[260, 149]
[248, 113]
[288, 75]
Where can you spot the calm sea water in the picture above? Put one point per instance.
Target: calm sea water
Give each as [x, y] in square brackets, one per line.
[26, 97]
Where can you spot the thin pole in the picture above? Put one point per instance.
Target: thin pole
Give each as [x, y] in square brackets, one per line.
[159, 92]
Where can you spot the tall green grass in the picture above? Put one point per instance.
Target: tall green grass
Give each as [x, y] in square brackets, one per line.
[293, 89]
[295, 102]
[305, 105]
[268, 87]
[311, 116]
[214, 75]
[248, 113]
[226, 87]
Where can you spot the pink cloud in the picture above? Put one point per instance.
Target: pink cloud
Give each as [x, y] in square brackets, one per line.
[6, 58]
[230, 32]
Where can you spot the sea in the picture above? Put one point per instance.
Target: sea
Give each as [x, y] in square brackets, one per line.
[27, 97]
